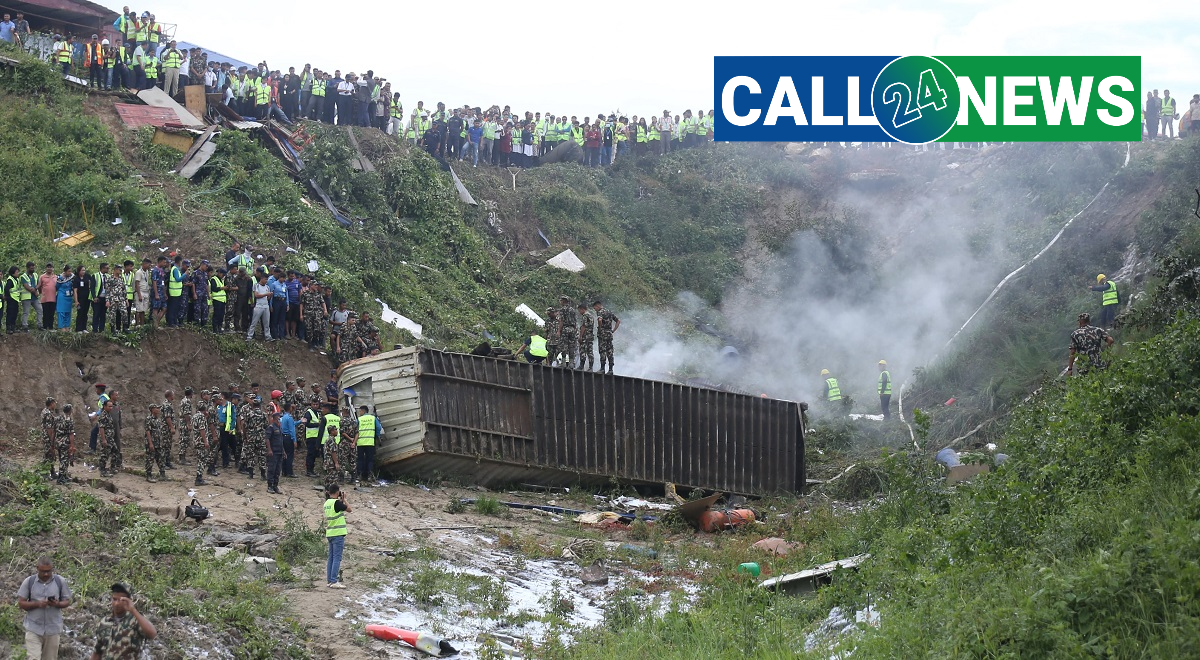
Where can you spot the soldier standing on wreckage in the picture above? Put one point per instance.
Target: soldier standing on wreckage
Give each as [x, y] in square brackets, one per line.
[64, 440]
[553, 334]
[349, 458]
[49, 422]
[587, 337]
[568, 324]
[107, 440]
[202, 433]
[168, 416]
[185, 424]
[254, 438]
[214, 431]
[606, 324]
[156, 431]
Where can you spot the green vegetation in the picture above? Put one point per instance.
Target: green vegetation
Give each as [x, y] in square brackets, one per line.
[95, 544]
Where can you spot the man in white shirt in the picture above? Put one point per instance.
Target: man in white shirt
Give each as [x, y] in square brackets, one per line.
[345, 101]
[210, 79]
[262, 308]
[665, 127]
[139, 67]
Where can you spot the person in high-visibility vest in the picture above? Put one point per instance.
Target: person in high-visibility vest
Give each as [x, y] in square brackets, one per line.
[175, 292]
[172, 59]
[93, 59]
[62, 53]
[150, 66]
[1168, 114]
[1109, 301]
[370, 431]
[219, 292]
[832, 391]
[884, 386]
[335, 510]
[12, 299]
[535, 349]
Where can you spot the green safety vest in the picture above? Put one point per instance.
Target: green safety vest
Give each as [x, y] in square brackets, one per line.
[173, 59]
[31, 280]
[835, 392]
[335, 521]
[98, 282]
[641, 133]
[621, 136]
[654, 134]
[229, 424]
[577, 135]
[366, 431]
[333, 420]
[1110, 294]
[151, 66]
[318, 88]
[397, 111]
[128, 279]
[885, 388]
[175, 289]
[143, 33]
[312, 429]
[702, 127]
[15, 292]
[262, 93]
[100, 401]
[219, 294]
[537, 346]
[689, 125]
[1168, 110]
[489, 130]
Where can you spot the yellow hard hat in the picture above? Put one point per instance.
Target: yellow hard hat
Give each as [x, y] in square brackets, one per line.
[1100, 277]
[883, 363]
[824, 372]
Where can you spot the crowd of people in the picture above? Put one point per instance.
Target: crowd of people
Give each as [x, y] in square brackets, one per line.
[235, 295]
[258, 432]
[571, 332]
[1160, 114]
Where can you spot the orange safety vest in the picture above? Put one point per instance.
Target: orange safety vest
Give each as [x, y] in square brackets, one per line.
[97, 53]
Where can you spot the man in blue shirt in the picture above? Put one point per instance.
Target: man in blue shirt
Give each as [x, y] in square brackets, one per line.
[288, 424]
[279, 304]
[227, 425]
[7, 29]
[293, 309]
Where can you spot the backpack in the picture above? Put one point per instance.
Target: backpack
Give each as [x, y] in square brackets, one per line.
[57, 581]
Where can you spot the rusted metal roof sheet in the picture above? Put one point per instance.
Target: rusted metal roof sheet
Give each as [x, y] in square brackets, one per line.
[498, 421]
[137, 116]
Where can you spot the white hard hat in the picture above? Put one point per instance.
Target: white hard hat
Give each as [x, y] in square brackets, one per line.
[104, 43]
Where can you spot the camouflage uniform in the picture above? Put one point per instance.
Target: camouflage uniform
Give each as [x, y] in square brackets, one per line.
[108, 448]
[254, 445]
[370, 337]
[156, 427]
[1088, 341]
[587, 336]
[200, 432]
[316, 399]
[331, 449]
[64, 428]
[349, 456]
[49, 418]
[117, 639]
[604, 333]
[567, 324]
[168, 416]
[200, 305]
[350, 338]
[118, 315]
[185, 426]
[553, 333]
[314, 319]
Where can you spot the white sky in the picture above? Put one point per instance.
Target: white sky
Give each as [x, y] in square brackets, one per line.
[558, 63]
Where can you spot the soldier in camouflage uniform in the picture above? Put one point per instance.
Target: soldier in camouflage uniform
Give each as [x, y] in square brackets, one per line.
[185, 424]
[349, 458]
[313, 308]
[123, 634]
[64, 441]
[587, 336]
[214, 430]
[350, 338]
[168, 415]
[201, 434]
[553, 333]
[156, 431]
[316, 400]
[49, 420]
[254, 443]
[568, 325]
[108, 440]
[333, 464]
[118, 314]
[368, 335]
[289, 396]
[200, 311]
[1089, 341]
[606, 324]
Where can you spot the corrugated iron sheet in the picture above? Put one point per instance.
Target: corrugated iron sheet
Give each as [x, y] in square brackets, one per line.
[500, 420]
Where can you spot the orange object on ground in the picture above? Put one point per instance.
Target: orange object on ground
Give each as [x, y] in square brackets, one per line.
[418, 640]
[715, 521]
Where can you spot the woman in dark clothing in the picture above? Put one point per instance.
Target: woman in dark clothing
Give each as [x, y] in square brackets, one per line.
[82, 285]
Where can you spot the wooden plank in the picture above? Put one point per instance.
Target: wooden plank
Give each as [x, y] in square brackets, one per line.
[195, 100]
[196, 162]
[175, 141]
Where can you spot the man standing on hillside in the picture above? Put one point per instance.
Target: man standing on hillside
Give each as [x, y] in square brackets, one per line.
[587, 334]
[64, 442]
[155, 432]
[8, 30]
[1089, 341]
[201, 432]
[1109, 301]
[1153, 110]
[568, 325]
[49, 421]
[1168, 115]
[142, 292]
[885, 389]
[29, 296]
[43, 597]
[107, 440]
[123, 634]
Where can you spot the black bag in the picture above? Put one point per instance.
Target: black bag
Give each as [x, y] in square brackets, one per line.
[195, 511]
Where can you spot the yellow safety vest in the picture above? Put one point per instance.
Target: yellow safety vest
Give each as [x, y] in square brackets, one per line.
[334, 420]
[654, 134]
[1110, 295]
[537, 346]
[97, 284]
[15, 291]
[31, 280]
[312, 429]
[335, 521]
[318, 88]
[151, 66]
[262, 93]
[173, 59]
[885, 388]
[128, 279]
[577, 135]
[219, 294]
[229, 424]
[835, 392]
[366, 431]
[175, 289]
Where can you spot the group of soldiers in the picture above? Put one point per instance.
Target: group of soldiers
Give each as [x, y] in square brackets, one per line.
[257, 436]
[571, 331]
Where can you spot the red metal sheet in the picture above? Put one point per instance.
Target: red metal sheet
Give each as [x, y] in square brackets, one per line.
[136, 116]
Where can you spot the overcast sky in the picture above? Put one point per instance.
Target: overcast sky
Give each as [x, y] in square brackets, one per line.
[470, 52]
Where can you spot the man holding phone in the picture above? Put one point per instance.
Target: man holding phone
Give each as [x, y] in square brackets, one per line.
[123, 634]
[335, 532]
[43, 597]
